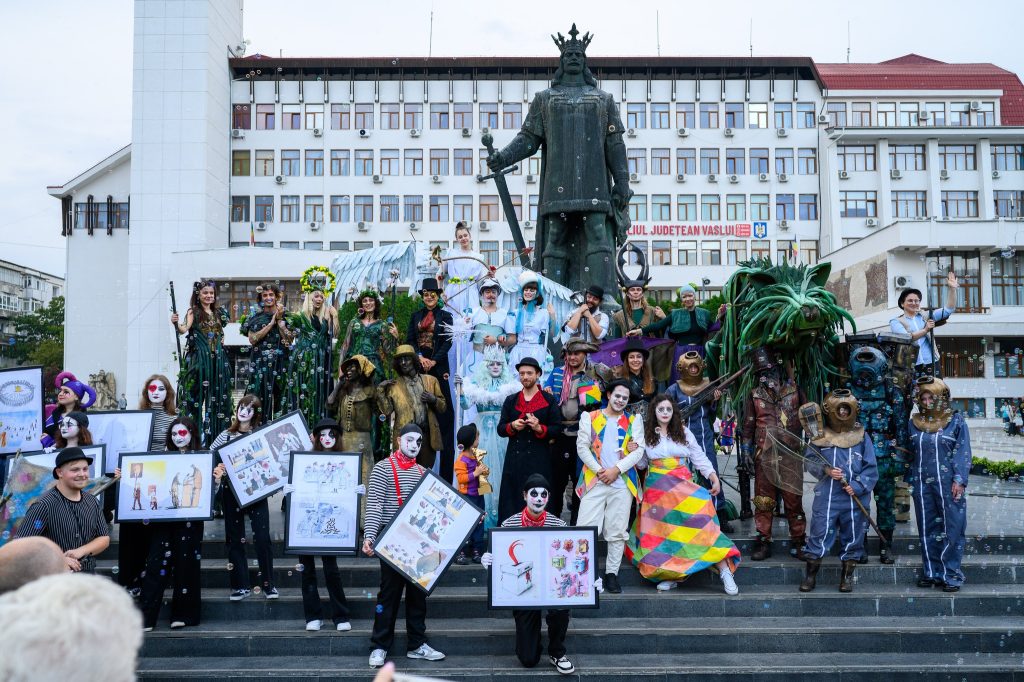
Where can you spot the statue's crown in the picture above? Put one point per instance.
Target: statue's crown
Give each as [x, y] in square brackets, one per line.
[573, 41]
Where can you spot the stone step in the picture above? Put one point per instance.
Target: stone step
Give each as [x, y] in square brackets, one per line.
[588, 637]
[462, 665]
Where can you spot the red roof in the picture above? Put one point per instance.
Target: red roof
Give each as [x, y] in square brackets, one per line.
[914, 72]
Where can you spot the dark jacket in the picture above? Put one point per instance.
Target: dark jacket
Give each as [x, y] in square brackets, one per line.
[442, 340]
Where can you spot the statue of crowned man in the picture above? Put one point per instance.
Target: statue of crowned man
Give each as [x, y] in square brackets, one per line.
[584, 178]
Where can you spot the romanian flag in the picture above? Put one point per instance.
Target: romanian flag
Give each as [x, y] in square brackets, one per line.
[590, 395]
[252, 234]
[794, 251]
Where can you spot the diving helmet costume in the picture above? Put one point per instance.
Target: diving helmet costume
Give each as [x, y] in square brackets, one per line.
[691, 373]
[932, 397]
[841, 428]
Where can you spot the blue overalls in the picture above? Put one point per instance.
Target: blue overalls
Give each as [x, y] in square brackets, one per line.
[833, 511]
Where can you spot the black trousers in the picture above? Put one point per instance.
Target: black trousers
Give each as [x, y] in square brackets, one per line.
[133, 543]
[311, 605]
[392, 584]
[564, 468]
[528, 643]
[234, 535]
[174, 556]
[446, 422]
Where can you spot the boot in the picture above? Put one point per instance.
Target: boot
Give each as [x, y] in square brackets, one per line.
[885, 550]
[762, 549]
[811, 579]
[723, 523]
[846, 578]
[746, 512]
[796, 548]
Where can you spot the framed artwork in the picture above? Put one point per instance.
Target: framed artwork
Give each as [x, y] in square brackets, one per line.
[257, 463]
[21, 408]
[422, 540]
[48, 459]
[322, 512]
[121, 431]
[165, 486]
[543, 568]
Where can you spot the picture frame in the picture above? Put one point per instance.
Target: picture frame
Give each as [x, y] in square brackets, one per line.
[21, 408]
[165, 486]
[429, 528]
[257, 464]
[530, 572]
[121, 431]
[48, 459]
[322, 512]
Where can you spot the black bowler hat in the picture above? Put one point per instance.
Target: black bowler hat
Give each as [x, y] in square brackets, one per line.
[634, 344]
[529, 362]
[905, 293]
[72, 454]
[596, 291]
[430, 284]
[326, 423]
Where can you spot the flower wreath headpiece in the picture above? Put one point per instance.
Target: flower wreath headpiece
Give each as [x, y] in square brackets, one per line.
[318, 278]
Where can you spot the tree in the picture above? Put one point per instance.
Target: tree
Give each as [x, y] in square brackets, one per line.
[40, 339]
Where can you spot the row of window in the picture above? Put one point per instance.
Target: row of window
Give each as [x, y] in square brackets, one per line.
[96, 215]
[904, 114]
[953, 157]
[914, 204]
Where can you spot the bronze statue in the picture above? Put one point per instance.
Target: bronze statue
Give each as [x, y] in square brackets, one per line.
[584, 185]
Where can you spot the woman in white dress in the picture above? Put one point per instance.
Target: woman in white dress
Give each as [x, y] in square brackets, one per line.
[532, 324]
[461, 269]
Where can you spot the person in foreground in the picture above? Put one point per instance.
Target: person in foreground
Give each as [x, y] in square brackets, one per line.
[23, 560]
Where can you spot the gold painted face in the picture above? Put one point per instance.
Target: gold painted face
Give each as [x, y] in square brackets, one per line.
[840, 408]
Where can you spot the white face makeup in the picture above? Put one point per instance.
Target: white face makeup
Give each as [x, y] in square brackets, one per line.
[619, 398]
[494, 369]
[327, 439]
[68, 428]
[245, 413]
[410, 444]
[181, 436]
[157, 392]
[536, 499]
[663, 411]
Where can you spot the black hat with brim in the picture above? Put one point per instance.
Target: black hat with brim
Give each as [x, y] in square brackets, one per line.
[631, 346]
[904, 294]
[326, 423]
[430, 284]
[529, 362]
[71, 454]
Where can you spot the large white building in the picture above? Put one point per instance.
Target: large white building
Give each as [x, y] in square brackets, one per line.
[246, 169]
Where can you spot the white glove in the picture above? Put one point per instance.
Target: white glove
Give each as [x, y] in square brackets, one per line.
[599, 585]
[49, 449]
[288, 489]
[486, 559]
[360, 489]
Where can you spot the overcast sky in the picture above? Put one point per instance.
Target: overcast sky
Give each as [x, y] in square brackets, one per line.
[67, 84]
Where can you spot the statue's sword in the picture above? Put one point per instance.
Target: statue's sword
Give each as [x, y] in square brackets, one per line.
[506, 201]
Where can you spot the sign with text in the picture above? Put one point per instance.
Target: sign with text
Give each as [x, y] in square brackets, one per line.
[757, 230]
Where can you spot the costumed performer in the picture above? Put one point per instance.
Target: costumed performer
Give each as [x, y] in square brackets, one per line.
[689, 326]
[310, 371]
[356, 399]
[72, 396]
[461, 270]
[414, 397]
[532, 324]
[270, 338]
[158, 396]
[920, 328]
[636, 370]
[369, 335]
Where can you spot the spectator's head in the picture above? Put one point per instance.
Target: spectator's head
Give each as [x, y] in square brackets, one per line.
[23, 560]
[468, 437]
[910, 301]
[58, 617]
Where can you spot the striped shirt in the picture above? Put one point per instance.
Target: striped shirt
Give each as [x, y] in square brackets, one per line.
[382, 498]
[516, 521]
[69, 524]
[161, 424]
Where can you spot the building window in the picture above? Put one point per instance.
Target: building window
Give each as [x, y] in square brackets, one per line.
[784, 251]
[364, 162]
[489, 250]
[389, 163]
[760, 209]
[1009, 203]
[241, 117]
[463, 204]
[809, 251]
[967, 266]
[886, 114]
[686, 207]
[264, 162]
[289, 208]
[709, 161]
[733, 114]
[860, 114]
[661, 161]
[534, 200]
[806, 161]
[413, 161]
[685, 116]
[710, 253]
[686, 161]
[389, 208]
[907, 157]
[708, 115]
[638, 207]
[439, 117]
[488, 115]
[512, 115]
[636, 115]
[758, 114]
[413, 118]
[985, 115]
[963, 358]
[660, 117]
[936, 113]
[439, 162]
[240, 162]
[808, 207]
[482, 162]
[341, 117]
[363, 205]
[389, 116]
[463, 161]
[758, 160]
[686, 254]
[534, 165]
[361, 246]
[341, 162]
[785, 207]
[856, 157]
[735, 251]
[909, 112]
[661, 252]
[760, 248]
[264, 117]
[735, 161]
[314, 116]
[805, 115]
[291, 117]
[240, 209]
[836, 114]
[264, 209]
[462, 115]
[858, 204]
[783, 114]
[341, 209]
[735, 207]
[489, 207]
[314, 209]
[439, 208]
[636, 160]
[960, 204]
[910, 204]
[290, 162]
[314, 162]
[958, 156]
[784, 160]
[1007, 157]
[313, 246]
[412, 210]
[661, 207]
[710, 207]
[364, 117]
[959, 113]
[1007, 280]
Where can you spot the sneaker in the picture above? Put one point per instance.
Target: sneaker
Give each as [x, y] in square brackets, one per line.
[177, 624]
[666, 585]
[377, 658]
[461, 559]
[239, 595]
[148, 629]
[729, 583]
[426, 653]
[271, 593]
[476, 556]
[134, 592]
[313, 626]
[562, 665]
[344, 627]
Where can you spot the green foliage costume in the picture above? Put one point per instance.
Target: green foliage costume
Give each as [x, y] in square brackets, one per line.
[310, 374]
[204, 383]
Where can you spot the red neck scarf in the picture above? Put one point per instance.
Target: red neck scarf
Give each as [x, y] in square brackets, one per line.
[530, 522]
[402, 460]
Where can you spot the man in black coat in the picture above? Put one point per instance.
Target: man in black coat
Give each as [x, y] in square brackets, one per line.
[428, 336]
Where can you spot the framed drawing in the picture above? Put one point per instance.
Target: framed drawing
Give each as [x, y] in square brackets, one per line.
[48, 459]
[21, 408]
[427, 532]
[165, 486]
[322, 512]
[257, 463]
[121, 431]
[543, 568]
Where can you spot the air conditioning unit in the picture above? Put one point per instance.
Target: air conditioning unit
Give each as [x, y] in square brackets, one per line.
[712, 178]
[261, 226]
[364, 133]
[280, 179]
[783, 224]
[528, 224]
[415, 132]
[895, 174]
[783, 177]
[466, 132]
[923, 116]
[634, 177]
[436, 179]
[734, 179]
[484, 226]
[871, 222]
[314, 225]
[237, 133]
[823, 120]
[975, 106]
[377, 179]
[944, 174]
[413, 226]
[363, 226]
[729, 132]
[903, 281]
[682, 132]
[318, 132]
[485, 131]
[995, 175]
[681, 177]
[763, 177]
[531, 179]
[782, 132]
[844, 175]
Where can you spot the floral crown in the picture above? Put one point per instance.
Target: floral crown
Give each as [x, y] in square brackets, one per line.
[318, 278]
